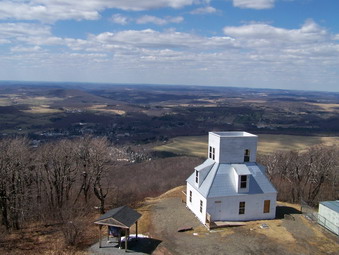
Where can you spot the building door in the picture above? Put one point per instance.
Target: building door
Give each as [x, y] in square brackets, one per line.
[217, 210]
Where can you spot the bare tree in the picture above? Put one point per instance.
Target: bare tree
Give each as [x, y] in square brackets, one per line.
[58, 171]
[303, 174]
[83, 161]
[94, 156]
[15, 181]
[323, 165]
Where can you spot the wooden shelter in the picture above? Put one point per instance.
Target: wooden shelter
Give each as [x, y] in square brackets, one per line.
[121, 219]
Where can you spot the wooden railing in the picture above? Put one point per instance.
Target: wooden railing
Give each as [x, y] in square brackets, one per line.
[208, 220]
[183, 197]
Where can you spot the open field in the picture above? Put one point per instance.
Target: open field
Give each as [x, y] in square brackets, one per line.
[197, 145]
[328, 107]
[105, 109]
[42, 109]
[15, 99]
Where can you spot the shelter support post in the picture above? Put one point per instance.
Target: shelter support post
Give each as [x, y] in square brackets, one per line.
[100, 226]
[120, 238]
[126, 239]
[136, 230]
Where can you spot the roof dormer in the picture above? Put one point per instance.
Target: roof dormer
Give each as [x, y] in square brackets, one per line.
[202, 171]
[241, 178]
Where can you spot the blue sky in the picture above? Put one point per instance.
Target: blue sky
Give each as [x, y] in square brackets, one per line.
[286, 44]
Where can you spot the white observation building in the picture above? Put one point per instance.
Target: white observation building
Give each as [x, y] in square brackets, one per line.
[230, 185]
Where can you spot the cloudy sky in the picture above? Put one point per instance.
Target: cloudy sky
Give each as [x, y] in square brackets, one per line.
[290, 44]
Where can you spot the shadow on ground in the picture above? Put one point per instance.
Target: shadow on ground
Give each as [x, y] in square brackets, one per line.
[136, 246]
[144, 245]
[282, 211]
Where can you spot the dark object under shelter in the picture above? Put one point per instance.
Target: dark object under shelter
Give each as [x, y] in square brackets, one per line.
[119, 221]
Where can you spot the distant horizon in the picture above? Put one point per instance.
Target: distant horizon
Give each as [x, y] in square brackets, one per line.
[156, 84]
[278, 44]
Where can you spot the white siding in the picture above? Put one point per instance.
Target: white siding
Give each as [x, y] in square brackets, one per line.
[219, 182]
[233, 147]
[328, 218]
[214, 141]
[227, 208]
[194, 206]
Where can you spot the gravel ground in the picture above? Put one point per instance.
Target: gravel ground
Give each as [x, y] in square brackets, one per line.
[283, 237]
[292, 236]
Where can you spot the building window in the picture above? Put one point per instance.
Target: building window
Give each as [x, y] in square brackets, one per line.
[212, 152]
[191, 196]
[201, 203]
[243, 181]
[267, 204]
[247, 156]
[196, 176]
[242, 208]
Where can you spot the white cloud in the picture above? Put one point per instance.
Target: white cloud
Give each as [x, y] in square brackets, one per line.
[25, 49]
[254, 4]
[151, 39]
[49, 12]
[263, 34]
[10, 30]
[25, 33]
[4, 41]
[258, 54]
[120, 19]
[53, 10]
[159, 21]
[204, 10]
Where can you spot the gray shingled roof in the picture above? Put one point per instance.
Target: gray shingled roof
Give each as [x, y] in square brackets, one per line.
[123, 216]
[219, 180]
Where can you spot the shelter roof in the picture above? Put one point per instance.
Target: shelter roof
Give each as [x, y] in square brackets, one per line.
[123, 217]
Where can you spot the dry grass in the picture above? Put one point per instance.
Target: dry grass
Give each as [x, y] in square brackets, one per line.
[275, 231]
[37, 100]
[255, 101]
[42, 109]
[327, 107]
[186, 145]
[192, 105]
[5, 102]
[145, 222]
[12, 99]
[103, 108]
[47, 240]
[197, 145]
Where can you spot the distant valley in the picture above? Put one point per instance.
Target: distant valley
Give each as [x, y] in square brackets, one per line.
[151, 113]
